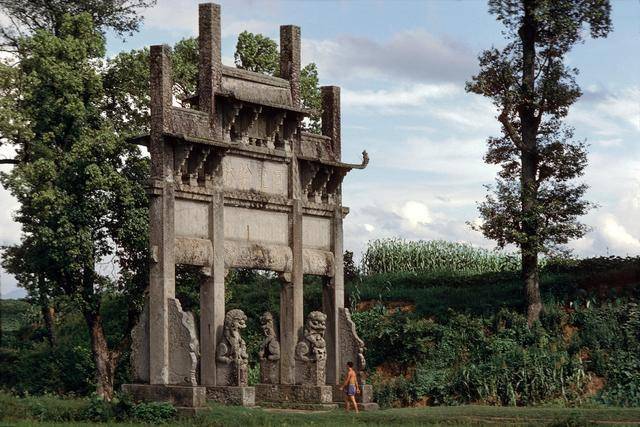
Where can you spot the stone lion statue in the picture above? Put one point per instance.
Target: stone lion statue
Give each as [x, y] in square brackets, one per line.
[313, 347]
[232, 348]
[270, 348]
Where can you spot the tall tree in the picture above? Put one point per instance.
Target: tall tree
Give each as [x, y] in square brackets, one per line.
[29, 261]
[79, 186]
[535, 205]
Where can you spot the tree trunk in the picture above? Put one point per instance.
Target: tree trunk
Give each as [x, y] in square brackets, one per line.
[531, 287]
[529, 165]
[49, 314]
[104, 360]
[47, 310]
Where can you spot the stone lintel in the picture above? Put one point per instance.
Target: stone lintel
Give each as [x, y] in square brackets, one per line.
[193, 251]
[257, 200]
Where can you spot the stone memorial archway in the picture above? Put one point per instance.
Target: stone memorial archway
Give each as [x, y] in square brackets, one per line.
[236, 182]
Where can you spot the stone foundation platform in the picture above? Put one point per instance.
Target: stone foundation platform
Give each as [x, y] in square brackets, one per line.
[287, 394]
[188, 400]
[232, 395]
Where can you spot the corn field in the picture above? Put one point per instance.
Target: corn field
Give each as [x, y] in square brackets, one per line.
[396, 255]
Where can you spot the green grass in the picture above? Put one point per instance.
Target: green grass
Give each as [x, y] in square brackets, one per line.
[458, 415]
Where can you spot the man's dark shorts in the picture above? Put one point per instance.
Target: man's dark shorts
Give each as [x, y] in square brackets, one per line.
[351, 390]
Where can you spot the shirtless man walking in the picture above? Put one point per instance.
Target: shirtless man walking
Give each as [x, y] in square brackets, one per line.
[350, 387]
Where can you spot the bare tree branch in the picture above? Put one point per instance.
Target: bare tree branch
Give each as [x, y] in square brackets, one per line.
[508, 126]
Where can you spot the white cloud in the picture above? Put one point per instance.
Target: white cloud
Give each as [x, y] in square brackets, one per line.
[608, 114]
[181, 16]
[416, 213]
[617, 235]
[397, 98]
[455, 160]
[415, 55]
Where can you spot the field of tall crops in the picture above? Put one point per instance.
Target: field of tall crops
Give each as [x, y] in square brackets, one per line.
[397, 255]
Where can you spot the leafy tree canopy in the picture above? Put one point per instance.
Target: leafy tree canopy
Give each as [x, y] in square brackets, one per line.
[121, 16]
[258, 53]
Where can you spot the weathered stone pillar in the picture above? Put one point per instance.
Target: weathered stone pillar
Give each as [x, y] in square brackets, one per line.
[291, 300]
[290, 59]
[331, 117]
[333, 301]
[210, 65]
[212, 307]
[162, 271]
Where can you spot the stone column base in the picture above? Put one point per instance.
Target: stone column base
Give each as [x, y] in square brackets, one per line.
[286, 393]
[232, 395]
[187, 399]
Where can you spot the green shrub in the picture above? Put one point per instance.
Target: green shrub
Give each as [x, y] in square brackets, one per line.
[40, 408]
[465, 359]
[394, 392]
[55, 409]
[153, 413]
[99, 410]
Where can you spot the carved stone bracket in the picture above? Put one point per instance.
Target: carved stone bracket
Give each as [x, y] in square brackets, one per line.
[230, 118]
[334, 184]
[252, 119]
[182, 153]
[319, 184]
[291, 130]
[308, 171]
[275, 130]
[197, 164]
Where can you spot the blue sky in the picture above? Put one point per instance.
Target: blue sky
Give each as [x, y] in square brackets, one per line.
[402, 66]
